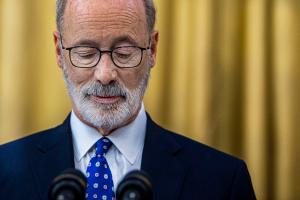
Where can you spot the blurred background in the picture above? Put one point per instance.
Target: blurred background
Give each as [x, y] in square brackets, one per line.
[228, 75]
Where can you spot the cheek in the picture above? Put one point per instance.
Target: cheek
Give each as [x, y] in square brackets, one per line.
[78, 76]
[131, 78]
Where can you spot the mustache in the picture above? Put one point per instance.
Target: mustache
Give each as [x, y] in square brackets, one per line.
[98, 89]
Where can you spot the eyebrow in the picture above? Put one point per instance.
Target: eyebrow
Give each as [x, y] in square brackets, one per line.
[86, 42]
[122, 39]
[116, 41]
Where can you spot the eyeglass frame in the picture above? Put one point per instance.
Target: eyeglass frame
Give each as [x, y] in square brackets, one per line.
[104, 51]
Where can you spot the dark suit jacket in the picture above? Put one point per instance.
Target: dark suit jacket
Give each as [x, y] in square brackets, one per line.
[180, 169]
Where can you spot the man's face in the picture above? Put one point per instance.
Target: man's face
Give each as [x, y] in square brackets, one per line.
[105, 96]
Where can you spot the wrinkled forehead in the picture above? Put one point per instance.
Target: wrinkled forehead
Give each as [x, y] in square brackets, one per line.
[117, 11]
[104, 17]
[105, 5]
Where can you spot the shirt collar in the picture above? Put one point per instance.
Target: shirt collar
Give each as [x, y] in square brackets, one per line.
[129, 139]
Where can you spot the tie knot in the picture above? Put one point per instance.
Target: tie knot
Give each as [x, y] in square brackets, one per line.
[103, 145]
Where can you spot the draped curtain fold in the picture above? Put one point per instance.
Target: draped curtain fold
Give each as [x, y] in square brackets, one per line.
[227, 75]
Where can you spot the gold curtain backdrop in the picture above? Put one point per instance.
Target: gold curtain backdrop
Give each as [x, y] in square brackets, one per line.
[227, 75]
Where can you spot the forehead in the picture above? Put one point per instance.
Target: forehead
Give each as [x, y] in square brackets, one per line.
[105, 18]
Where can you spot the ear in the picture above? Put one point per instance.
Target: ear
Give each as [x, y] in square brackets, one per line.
[58, 50]
[153, 48]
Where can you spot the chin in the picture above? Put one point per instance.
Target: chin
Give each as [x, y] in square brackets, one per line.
[108, 107]
[107, 116]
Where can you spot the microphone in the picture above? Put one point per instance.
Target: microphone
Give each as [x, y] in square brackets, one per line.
[135, 185]
[69, 185]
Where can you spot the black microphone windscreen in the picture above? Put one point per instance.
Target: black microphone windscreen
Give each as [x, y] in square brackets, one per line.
[136, 185]
[69, 185]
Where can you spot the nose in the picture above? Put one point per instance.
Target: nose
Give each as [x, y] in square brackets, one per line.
[105, 71]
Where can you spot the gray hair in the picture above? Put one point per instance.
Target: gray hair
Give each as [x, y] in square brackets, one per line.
[149, 8]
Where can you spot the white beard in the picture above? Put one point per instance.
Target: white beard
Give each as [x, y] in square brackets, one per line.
[107, 116]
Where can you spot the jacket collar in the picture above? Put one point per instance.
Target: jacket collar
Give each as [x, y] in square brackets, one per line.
[160, 160]
[52, 155]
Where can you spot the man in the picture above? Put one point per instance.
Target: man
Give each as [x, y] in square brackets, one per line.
[106, 49]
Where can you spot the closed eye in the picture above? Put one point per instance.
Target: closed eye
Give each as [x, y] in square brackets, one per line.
[122, 55]
[86, 55]
[84, 52]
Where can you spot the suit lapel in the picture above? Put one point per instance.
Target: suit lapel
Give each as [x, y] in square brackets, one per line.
[53, 154]
[161, 163]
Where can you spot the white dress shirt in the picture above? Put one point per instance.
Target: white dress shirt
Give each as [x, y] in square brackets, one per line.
[123, 156]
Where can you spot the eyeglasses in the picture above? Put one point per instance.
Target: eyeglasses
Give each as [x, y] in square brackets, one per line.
[122, 57]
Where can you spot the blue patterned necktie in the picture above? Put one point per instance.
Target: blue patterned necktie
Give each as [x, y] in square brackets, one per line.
[100, 183]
